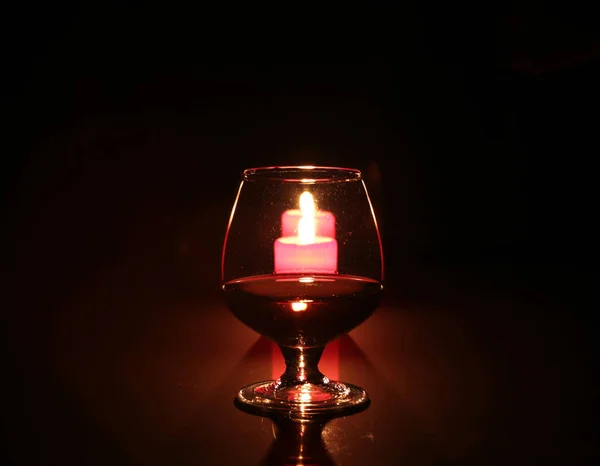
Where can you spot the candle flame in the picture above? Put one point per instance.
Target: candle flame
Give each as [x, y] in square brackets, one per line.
[306, 224]
[307, 204]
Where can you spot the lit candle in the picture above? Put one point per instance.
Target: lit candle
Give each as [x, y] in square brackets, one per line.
[308, 252]
[324, 223]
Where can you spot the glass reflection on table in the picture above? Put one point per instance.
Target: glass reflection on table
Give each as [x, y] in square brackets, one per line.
[302, 441]
[297, 444]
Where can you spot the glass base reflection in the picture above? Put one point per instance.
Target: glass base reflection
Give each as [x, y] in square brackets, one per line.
[298, 441]
[303, 401]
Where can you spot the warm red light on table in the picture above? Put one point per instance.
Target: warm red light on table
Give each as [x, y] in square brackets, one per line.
[308, 251]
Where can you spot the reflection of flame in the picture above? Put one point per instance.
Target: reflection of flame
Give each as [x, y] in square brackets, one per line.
[304, 396]
[306, 224]
[298, 306]
[306, 280]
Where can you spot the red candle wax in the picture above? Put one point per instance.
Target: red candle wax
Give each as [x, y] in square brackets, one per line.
[324, 223]
[292, 256]
[309, 251]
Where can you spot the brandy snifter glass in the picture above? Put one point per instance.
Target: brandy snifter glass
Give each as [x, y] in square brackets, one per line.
[302, 265]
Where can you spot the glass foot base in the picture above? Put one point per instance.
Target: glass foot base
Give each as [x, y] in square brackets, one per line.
[303, 401]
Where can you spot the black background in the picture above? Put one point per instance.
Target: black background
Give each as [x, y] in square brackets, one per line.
[475, 124]
[481, 118]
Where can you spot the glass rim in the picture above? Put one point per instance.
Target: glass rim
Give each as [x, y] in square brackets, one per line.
[305, 174]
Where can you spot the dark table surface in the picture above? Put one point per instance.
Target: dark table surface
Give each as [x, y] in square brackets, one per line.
[129, 370]
[122, 352]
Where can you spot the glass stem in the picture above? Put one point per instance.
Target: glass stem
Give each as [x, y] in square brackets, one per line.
[301, 366]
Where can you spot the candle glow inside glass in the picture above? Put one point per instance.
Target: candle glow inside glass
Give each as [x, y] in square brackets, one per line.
[307, 252]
